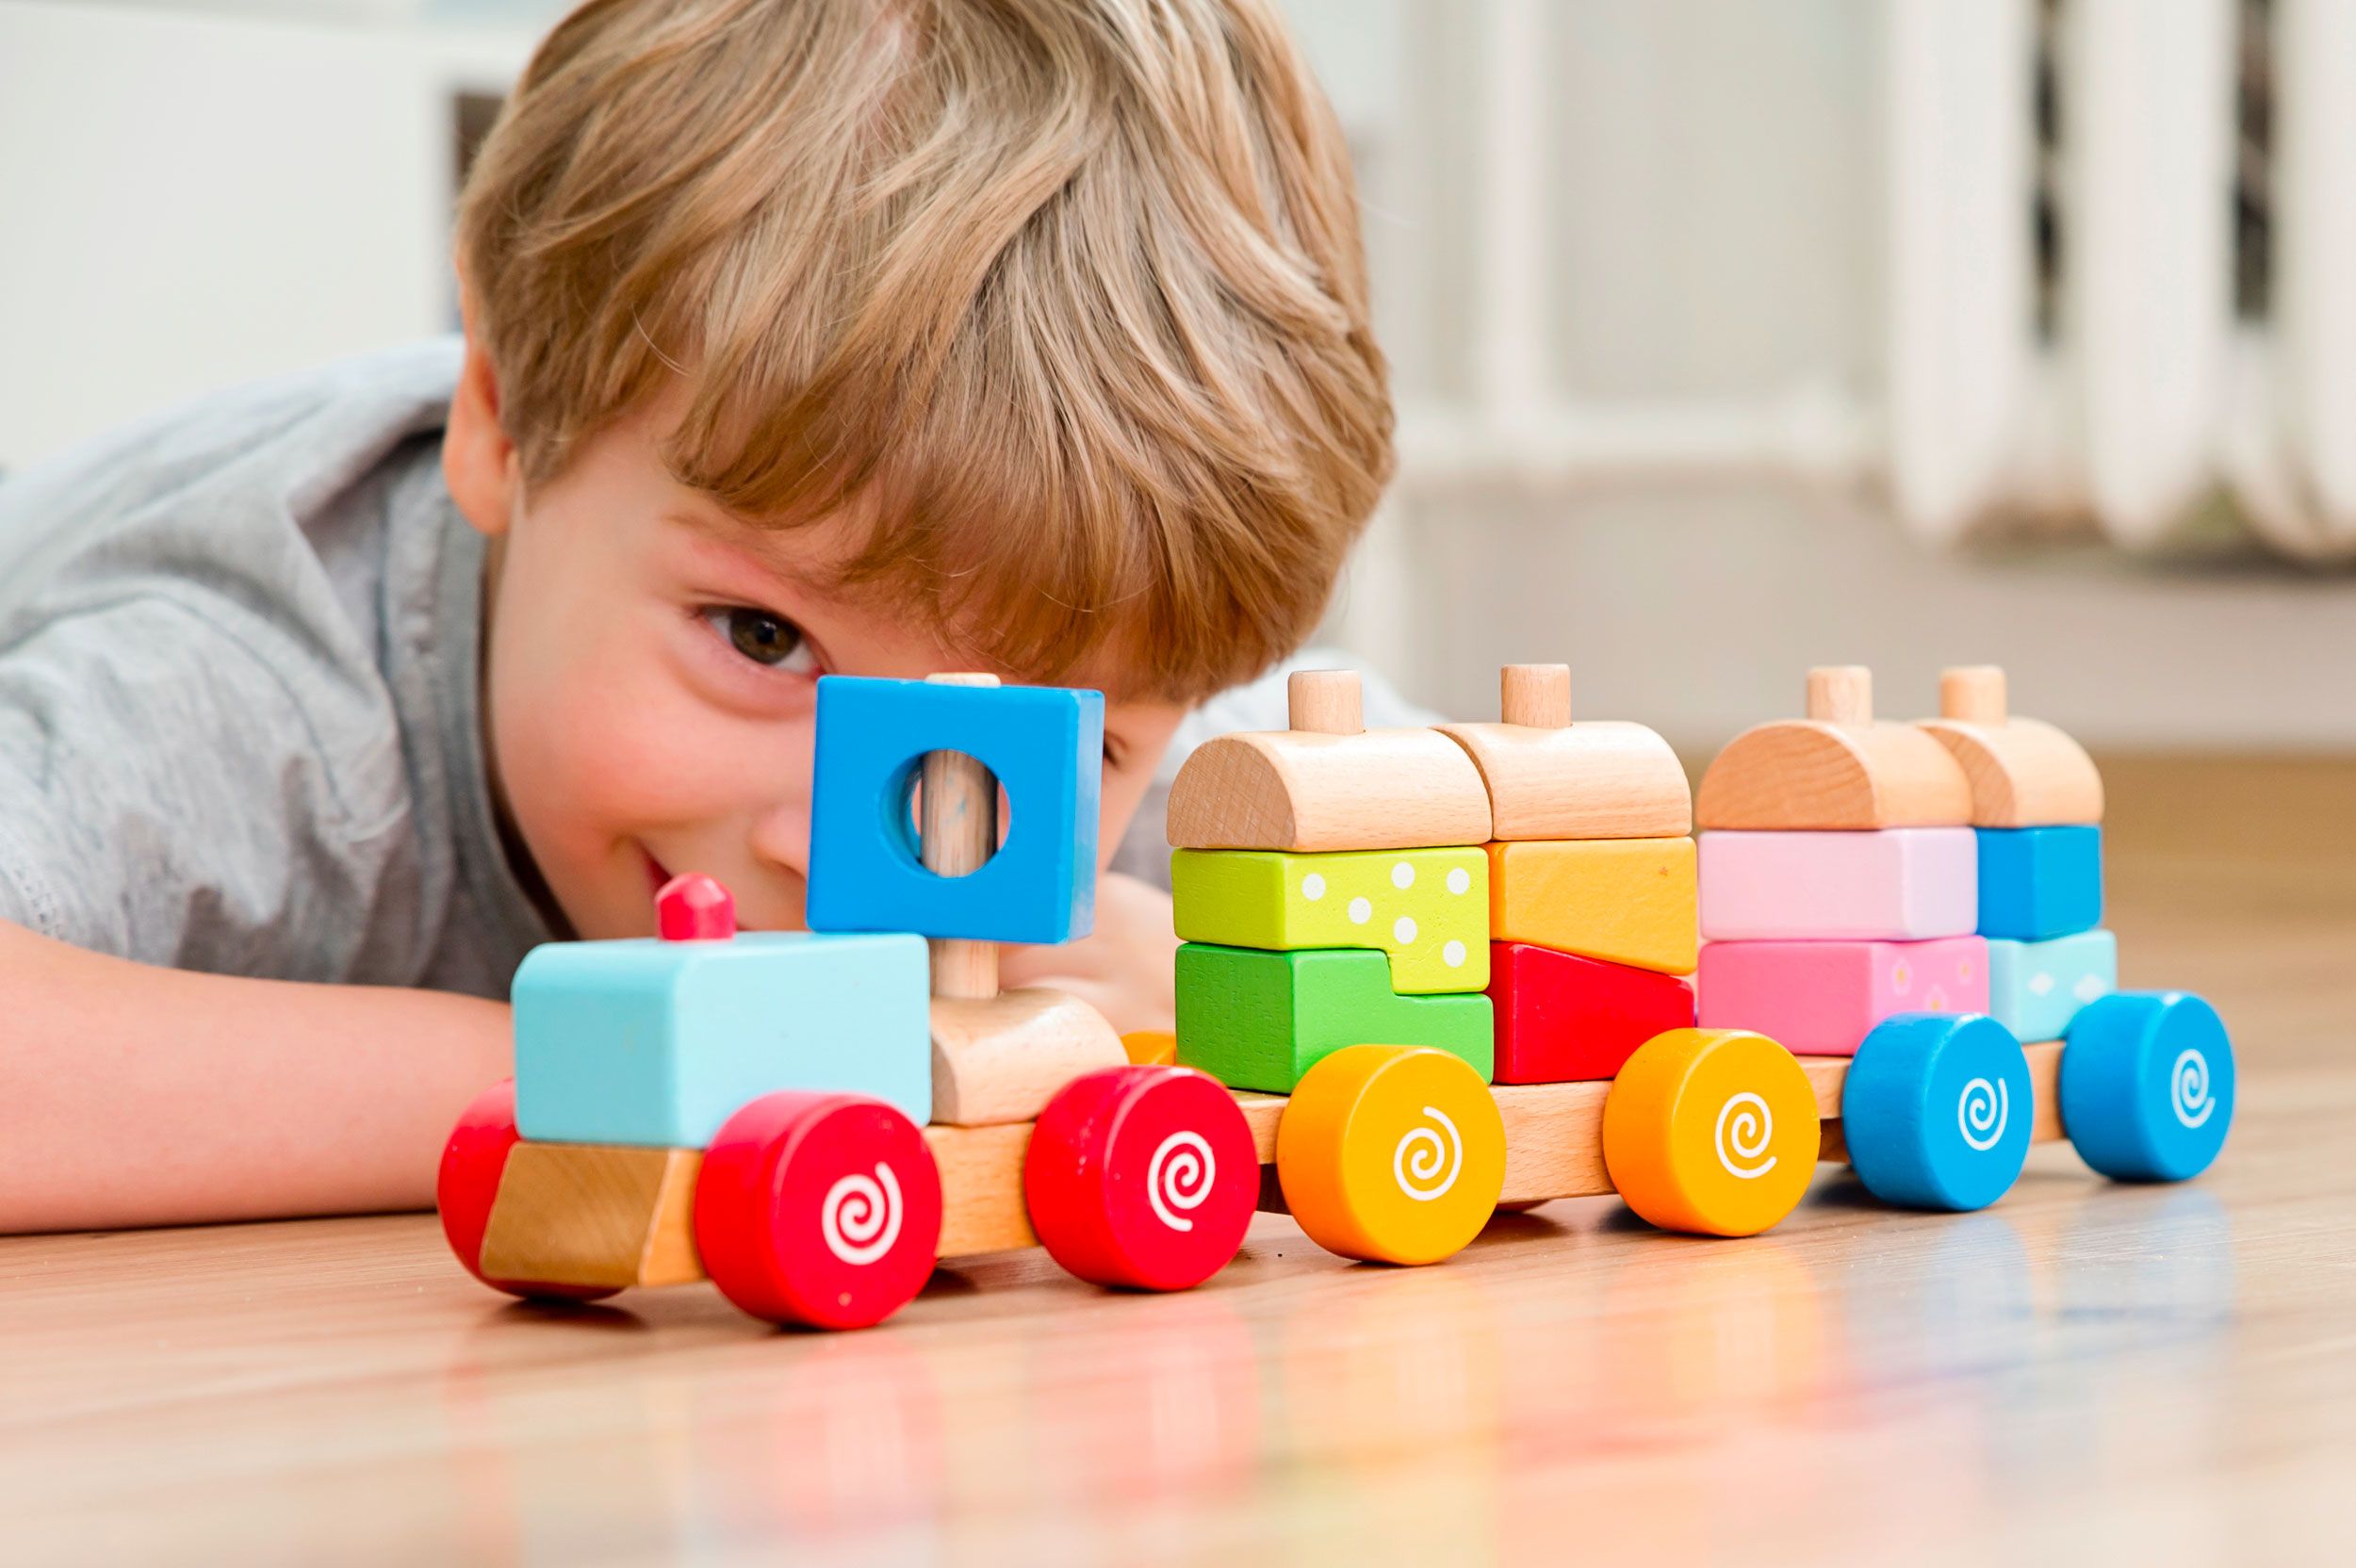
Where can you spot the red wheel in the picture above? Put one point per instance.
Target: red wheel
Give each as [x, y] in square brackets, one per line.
[819, 1209]
[1141, 1176]
[468, 1183]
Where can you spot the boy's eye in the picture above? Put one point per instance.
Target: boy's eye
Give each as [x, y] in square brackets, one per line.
[765, 639]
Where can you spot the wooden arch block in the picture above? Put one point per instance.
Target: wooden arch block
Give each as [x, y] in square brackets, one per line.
[1550, 779]
[2023, 772]
[1835, 769]
[1001, 1058]
[1328, 783]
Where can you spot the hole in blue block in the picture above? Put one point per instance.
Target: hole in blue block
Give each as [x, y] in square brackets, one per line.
[903, 811]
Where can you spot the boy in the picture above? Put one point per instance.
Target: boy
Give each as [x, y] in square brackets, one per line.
[872, 336]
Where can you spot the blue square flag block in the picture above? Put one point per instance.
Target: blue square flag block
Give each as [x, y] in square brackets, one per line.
[1045, 744]
[658, 1043]
[2038, 883]
[2036, 988]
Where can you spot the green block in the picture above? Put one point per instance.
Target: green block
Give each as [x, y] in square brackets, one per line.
[1258, 1020]
[1427, 909]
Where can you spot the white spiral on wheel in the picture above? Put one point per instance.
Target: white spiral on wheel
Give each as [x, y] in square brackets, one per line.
[1982, 1112]
[860, 1217]
[2188, 1088]
[1745, 1127]
[1424, 1165]
[1178, 1177]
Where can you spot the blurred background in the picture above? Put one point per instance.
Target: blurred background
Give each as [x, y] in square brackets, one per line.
[1729, 337]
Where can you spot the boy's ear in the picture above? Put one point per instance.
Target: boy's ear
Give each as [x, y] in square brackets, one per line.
[478, 460]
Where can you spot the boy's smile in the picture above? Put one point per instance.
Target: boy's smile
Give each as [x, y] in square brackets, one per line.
[650, 666]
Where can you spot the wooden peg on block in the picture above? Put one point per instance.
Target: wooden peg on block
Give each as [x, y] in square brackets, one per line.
[959, 834]
[1836, 768]
[2023, 772]
[1325, 702]
[1328, 783]
[1549, 778]
[589, 1213]
[996, 1057]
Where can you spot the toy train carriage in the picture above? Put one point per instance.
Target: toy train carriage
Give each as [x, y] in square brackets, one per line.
[1333, 884]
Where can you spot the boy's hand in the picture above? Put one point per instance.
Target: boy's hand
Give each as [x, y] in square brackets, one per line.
[1124, 969]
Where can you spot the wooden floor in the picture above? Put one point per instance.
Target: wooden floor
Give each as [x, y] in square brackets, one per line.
[2085, 1372]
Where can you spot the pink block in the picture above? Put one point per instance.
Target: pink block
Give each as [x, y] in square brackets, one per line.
[1821, 999]
[1900, 883]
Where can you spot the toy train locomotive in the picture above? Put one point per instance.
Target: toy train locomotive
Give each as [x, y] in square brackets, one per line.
[1426, 973]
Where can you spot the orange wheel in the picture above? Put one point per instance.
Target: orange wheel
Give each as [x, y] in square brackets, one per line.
[1713, 1131]
[1393, 1154]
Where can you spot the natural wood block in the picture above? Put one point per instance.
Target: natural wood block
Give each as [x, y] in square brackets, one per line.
[1549, 778]
[591, 1214]
[1001, 1058]
[1835, 769]
[2023, 772]
[981, 1187]
[1261, 1113]
[1308, 788]
[1428, 909]
[1625, 901]
[2045, 1079]
[1553, 1140]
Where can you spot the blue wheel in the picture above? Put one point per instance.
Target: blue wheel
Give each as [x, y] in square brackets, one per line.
[2147, 1086]
[1937, 1110]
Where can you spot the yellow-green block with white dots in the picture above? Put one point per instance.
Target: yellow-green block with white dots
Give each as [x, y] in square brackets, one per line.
[1427, 909]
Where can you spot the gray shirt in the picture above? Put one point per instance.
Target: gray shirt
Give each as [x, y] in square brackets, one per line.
[239, 726]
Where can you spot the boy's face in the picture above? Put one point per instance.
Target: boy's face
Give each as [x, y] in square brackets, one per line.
[651, 668]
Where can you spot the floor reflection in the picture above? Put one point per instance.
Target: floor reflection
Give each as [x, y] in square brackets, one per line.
[1669, 1395]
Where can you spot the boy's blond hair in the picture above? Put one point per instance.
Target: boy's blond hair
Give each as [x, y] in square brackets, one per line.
[1067, 295]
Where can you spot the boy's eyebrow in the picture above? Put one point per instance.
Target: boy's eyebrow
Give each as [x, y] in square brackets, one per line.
[725, 539]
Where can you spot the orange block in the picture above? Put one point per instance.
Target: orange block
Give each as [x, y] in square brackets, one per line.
[1150, 1047]
[1625, 900]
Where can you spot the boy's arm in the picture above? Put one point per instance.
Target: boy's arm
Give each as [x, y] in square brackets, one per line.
[134, 1095]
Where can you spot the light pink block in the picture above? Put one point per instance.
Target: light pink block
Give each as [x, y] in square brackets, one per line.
[1821, 999]
[1900, 883]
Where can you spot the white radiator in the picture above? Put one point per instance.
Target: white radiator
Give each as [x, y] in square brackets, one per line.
[2149, 393]
[2109, 379]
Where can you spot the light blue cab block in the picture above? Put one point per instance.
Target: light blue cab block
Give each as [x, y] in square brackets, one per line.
[2147, 1086]
[658, 1043]
[1046, 744]
[1937, 1110]
[2038, 883]
[2036, 988]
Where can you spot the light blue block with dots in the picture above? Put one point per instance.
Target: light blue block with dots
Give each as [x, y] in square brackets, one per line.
[1045, 744]
[657, 1043]
[2147, 1086]
[2036, 988]
[1937, 1109]
[2038, 883]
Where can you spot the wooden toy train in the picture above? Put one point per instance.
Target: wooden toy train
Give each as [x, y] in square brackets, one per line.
[1426, 974]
